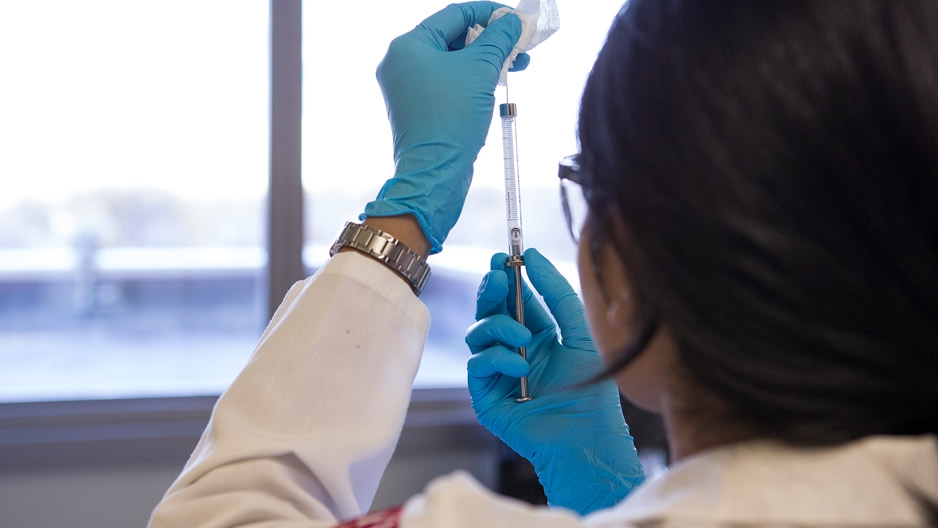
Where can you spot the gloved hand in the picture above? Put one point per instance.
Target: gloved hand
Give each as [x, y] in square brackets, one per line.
[440, 96]
[574, 435]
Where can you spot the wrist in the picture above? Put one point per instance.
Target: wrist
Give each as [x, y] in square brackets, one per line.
[590, 488]
[405, 228]
[590, 478]
[387, 249]
[429, 236]
[430, 187]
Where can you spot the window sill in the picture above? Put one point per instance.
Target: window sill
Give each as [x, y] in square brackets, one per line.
[146, 430]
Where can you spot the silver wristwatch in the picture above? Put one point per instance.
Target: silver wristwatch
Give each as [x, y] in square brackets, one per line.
[387, 249]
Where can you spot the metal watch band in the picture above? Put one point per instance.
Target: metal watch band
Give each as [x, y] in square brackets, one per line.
[386, 249]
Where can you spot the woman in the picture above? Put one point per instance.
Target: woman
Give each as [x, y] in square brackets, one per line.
[759, 264]
[761, 256]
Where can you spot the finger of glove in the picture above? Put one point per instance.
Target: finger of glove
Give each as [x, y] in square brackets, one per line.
[536, 318]
[492, 296]
[559, 296]
[498, 261]
[488, 390]
[496, 42]
[448, 24]
[520, 63]
[497, 360]
[497, 329]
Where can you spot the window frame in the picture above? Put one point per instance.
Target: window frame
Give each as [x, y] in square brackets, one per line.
[37, 434]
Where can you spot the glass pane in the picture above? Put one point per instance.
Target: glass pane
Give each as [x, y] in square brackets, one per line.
[135, 138]
[347, 153]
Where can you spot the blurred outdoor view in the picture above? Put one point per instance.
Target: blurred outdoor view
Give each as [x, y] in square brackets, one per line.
[133, 161]
[134, 166]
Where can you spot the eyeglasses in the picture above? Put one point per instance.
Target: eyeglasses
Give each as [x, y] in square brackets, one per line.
[572, 198]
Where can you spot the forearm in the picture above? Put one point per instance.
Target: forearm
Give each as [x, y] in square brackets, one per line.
[301, 434]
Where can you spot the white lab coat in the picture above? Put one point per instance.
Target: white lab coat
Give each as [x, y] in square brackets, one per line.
[303, 435]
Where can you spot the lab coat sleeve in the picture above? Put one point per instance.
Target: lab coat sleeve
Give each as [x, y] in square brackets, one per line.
[458, 501]
[305, 431]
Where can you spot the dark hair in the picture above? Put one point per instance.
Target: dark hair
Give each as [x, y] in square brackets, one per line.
[768, 174]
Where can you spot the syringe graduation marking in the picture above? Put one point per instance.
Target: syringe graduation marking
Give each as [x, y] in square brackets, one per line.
[511, 175]
[508, 112]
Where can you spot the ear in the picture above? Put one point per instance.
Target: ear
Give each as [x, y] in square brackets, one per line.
[619, 310]
[616, 290]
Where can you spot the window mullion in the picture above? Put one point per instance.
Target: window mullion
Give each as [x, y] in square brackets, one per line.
[285, 198]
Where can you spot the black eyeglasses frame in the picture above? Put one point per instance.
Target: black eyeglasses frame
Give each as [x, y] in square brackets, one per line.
[569, 170]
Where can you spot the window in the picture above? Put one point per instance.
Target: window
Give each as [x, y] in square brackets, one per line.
[347, 152]
[135, 139]
[134, 171]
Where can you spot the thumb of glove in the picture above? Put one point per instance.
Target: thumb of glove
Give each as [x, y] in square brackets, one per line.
[494, 45]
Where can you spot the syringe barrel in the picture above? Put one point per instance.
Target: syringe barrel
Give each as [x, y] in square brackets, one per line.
[508, 113]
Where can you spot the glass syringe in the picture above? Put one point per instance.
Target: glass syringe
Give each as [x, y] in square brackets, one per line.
[508, 113]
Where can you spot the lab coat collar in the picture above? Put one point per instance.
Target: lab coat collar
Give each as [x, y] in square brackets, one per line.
[861, 483]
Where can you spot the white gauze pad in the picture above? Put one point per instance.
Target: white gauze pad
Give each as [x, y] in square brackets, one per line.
[539, 20]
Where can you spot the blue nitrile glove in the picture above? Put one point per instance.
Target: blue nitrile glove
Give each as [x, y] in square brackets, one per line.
[574, 435]
[440, 96]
